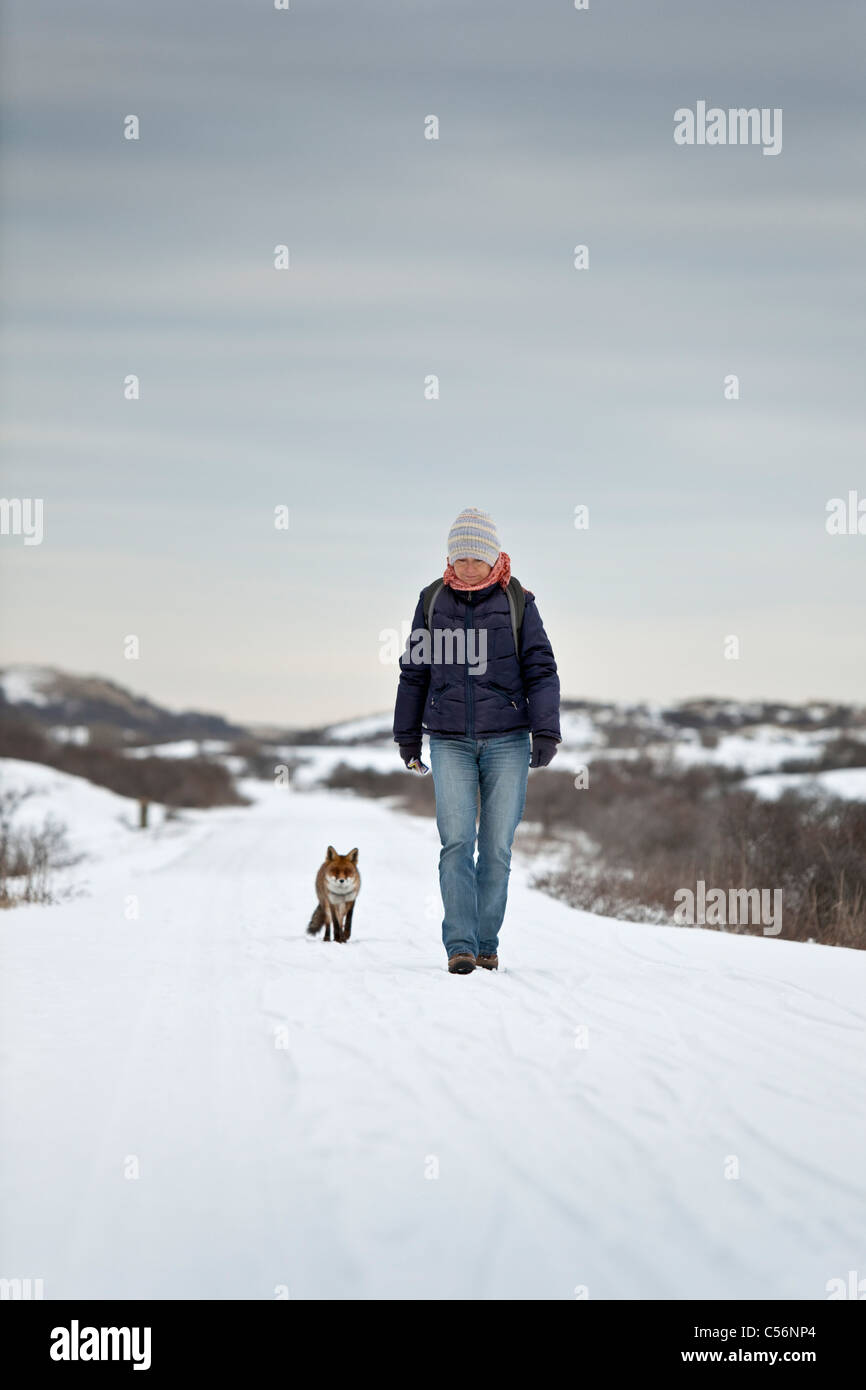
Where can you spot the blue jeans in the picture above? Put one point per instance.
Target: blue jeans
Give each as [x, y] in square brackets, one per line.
[474, 894]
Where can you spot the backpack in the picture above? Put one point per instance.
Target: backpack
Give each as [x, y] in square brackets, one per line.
[515, 593]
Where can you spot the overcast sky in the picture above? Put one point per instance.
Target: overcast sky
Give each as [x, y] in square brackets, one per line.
[409, 257]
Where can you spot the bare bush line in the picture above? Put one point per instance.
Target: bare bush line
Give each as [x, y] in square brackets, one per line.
[191, 782]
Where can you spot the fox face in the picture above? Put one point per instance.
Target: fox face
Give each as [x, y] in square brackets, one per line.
[341, 873]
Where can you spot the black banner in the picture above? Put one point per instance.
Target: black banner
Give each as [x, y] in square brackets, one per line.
[171, 1338]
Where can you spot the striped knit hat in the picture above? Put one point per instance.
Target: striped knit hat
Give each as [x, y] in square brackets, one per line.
[473, 537]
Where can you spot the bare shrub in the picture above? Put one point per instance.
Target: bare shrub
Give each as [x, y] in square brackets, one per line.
[414, 793]
[842, 752]
[813, 851]
[29, 855]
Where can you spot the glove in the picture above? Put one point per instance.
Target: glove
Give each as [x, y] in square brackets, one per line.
[543, 750]
[408, 751]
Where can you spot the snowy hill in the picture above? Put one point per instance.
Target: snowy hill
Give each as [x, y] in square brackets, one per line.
[66, 701]
[201, 1101]
[375, 728]
[100, 820]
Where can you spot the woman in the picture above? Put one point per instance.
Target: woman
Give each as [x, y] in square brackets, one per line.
[479, 676]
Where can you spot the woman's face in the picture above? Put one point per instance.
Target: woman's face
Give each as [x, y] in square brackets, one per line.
[471, 571]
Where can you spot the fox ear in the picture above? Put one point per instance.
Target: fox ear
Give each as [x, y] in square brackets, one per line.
[332, 853]
[353, 855]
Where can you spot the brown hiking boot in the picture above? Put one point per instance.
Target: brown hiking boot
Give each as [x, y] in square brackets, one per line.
[488, 962]
[461, 964]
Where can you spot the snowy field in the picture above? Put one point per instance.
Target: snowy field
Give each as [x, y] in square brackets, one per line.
[848, 783]
[201, 1101]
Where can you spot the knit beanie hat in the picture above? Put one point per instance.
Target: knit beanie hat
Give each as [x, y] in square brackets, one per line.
[473, 537]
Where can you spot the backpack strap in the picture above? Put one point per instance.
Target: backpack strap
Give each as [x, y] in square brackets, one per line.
[515, 593]
[431, 593]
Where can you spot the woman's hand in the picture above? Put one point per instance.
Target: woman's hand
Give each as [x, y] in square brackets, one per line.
[543, 750]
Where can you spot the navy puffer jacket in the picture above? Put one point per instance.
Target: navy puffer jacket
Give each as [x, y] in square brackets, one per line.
[466, 677]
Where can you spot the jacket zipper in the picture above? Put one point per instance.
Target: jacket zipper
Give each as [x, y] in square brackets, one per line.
[503, 691]
[470, 713]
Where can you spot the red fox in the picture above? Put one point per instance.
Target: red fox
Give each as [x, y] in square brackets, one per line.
[338, 884]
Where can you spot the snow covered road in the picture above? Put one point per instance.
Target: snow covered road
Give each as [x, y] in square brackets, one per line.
[640, 1111]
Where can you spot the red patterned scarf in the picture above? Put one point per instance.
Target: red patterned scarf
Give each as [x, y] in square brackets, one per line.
[500, 574]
